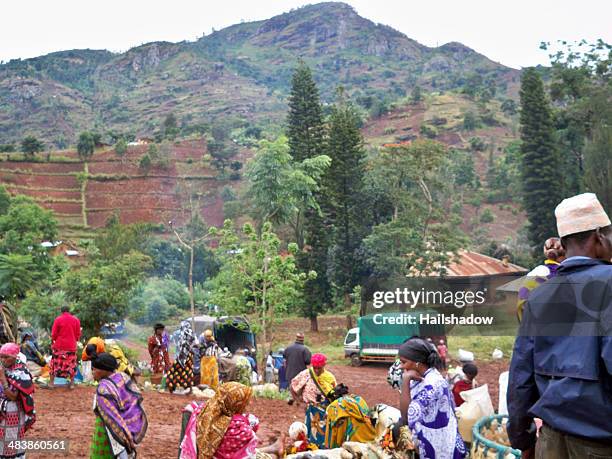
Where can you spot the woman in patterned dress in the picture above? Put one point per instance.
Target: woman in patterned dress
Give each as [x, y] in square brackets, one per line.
[181, 372]
[426, 402]
[16, 403]
[158, 350]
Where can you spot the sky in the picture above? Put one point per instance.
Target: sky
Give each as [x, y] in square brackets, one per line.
[508, 32]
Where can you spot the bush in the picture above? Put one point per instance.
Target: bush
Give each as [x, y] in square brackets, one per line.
[228, 194]
[477, 144]
[487, 216]
[232, 209]
[145, 162]
[470, 121]
[429, 131]
[389, 130]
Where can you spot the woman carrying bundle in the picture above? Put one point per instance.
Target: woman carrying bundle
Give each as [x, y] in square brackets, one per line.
[121, 423]
[313, 386]
[426, 402]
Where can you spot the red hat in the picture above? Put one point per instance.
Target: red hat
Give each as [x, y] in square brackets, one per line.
[10, 349]
[318, 360]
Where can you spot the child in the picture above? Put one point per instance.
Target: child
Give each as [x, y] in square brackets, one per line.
[468, 382]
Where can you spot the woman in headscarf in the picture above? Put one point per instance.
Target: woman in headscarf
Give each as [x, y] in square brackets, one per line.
[16, 403]
[35, 361]
[313, 386]
[181, 372]
[555, 254]
[209, 366]
[121, 423]
[224, 431]
[158, 350]
[426, 402]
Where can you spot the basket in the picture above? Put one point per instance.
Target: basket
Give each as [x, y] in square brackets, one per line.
[483, 448]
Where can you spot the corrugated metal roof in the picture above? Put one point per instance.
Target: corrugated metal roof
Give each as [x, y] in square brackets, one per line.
[470, 263]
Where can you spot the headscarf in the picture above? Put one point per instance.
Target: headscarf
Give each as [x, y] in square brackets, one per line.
[213, 421]
[20, 379]
[10, 349]
[185, 342]
[421, 351]
[318, 360]
[553, 250]
[104, 361]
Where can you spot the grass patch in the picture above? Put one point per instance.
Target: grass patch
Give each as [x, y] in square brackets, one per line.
[481, 346]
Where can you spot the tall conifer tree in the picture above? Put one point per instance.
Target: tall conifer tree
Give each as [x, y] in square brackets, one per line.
[543, 186]
[306, 135]
[345, 181]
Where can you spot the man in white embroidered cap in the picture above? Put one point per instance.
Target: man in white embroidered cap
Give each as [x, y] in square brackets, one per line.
[561, 369]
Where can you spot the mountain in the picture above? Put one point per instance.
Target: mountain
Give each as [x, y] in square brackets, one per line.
[239, 74]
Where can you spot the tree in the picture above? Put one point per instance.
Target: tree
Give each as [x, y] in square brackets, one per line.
[170, 126]
[305, 129]
[86, 145]
[598, 165]
[470, 122]
[416, 95]
[18, 273]
[41, 308]
[543, 186]
[282, 189]
[115, 239]
[255, 277]
[344, 182]
[121, 148]
[145, 162]
[101, 291]
[31, 145]
[508, 106]
[306, 137]
[194, 233]
[419, 235]
[24, 227]
[5, 200]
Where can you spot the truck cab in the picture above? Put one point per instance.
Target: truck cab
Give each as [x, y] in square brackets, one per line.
[372, 341]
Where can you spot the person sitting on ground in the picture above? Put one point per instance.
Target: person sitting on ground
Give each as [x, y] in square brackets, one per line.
[555, 254]
[121, 422]
[312, 386]
[16, 400]
[347, 419]
[224, 431]
[468, 382]
[426, 403]
[180, 374]
[96, 346]
[35, 361]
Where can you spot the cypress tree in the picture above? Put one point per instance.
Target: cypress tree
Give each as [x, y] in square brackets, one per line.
[542, 181]
[306, 136]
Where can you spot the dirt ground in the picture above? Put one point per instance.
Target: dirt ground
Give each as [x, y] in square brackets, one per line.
[67, 415]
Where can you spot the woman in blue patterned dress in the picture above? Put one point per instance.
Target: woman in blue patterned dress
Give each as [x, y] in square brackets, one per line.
[427, 404]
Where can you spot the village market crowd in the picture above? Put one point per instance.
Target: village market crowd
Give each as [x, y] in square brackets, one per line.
[563, 381]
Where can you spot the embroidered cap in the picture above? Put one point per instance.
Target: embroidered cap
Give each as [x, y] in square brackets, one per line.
[580, 213]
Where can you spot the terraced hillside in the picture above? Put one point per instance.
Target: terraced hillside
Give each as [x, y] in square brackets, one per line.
[84, 195]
